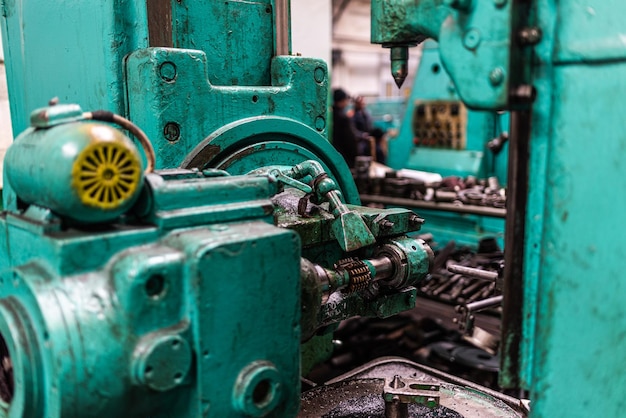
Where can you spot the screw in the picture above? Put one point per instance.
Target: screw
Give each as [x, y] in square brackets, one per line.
[385, 224]
[529, 36]
[524, 93]
[415, 220]
[496, 77]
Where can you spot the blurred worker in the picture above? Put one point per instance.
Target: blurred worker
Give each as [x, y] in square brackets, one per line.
[361, 117]
[344, 136]
[362, 121]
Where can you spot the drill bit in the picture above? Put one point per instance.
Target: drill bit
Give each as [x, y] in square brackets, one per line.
[399, 64]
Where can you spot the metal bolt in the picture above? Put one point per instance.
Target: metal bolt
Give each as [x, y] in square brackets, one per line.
[529, 36]
[415, 220]
[496, 77]
[320, 123]
[171, 131]
[385, 224]
[524, 93]
[471, 40]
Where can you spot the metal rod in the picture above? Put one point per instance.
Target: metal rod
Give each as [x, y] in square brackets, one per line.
[491, 276]
[483, 304]
[159, 23]
[383, 267]
[281, 9]
[446, 207]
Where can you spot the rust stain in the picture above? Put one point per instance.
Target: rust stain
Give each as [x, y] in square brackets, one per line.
[204, 156]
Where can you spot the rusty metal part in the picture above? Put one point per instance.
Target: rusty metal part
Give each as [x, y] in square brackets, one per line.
[399, 392]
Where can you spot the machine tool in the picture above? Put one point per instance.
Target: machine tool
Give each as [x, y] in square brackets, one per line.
[176, 270]
[179, 292]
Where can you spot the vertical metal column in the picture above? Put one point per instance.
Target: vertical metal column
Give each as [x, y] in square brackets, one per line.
[159, 23]
[513, 301]
[282, 16]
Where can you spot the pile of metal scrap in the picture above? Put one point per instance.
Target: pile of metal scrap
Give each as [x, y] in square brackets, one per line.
[458, 288]
[415, 185]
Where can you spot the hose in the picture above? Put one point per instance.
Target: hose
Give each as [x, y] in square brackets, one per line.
[106, 116]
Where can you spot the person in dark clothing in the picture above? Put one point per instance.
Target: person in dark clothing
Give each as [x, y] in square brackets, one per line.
[344, 136]
[361, 117]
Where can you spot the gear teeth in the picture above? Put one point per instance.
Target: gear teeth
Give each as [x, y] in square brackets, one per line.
[358, 272]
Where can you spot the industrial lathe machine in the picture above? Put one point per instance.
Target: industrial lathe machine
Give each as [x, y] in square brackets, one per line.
[179, 239]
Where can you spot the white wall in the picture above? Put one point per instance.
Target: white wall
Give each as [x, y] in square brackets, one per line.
[311, 28]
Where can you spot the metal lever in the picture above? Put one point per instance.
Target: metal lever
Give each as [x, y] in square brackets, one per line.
[349, 228]
[466, 322]
[279, 176]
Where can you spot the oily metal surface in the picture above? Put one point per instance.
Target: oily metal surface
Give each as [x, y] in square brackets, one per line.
[355, 394]
[359, 398]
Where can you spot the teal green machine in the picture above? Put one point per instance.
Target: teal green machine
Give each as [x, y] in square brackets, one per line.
[177, 273]
[559, 67]
[440, 134]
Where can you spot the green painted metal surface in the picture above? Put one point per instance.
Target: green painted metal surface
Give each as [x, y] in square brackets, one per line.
[474, 36]
[577, 312]
[60, 49]
[218, 76]
[63, 151]
[235, 57]
[573, 313]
